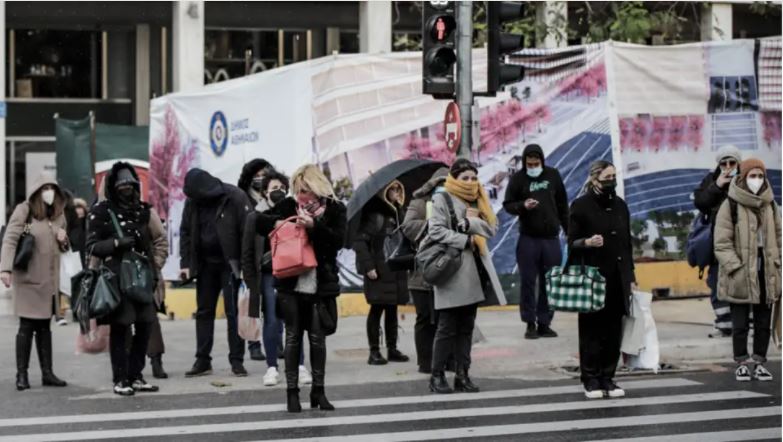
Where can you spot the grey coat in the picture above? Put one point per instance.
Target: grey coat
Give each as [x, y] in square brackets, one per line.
[465, 287]
[414, 226]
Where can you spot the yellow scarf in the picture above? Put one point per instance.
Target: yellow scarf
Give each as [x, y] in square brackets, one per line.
[473, 192]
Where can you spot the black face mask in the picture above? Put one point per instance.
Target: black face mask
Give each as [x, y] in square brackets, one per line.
[276, 196]
[126, 195]
[608, 186]
[257, 184]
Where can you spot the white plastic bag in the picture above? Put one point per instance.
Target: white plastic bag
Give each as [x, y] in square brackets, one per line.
[249, 328]
[633, 334]
[649, 357]
[70, 265]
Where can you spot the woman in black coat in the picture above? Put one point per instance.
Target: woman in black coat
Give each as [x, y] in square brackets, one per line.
[142, 233]
[599, 235]
[384, 289]
[308, 302]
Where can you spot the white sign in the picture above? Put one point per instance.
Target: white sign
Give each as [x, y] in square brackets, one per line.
[35, 163]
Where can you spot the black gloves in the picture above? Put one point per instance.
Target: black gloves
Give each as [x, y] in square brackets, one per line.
[126, 243]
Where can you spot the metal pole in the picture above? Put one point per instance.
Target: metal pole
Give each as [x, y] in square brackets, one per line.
[464, 74]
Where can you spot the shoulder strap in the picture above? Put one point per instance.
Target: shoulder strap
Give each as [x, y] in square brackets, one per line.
[116, 223]
[733, 211]
[452, 212]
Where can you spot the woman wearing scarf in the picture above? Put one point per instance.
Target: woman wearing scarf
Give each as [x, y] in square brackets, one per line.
[599, 235]
[302, 298]
[476, 281]
[142, 233]
[747, 246]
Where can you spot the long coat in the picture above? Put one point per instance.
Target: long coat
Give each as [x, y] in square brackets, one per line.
[464, 287]
[736, 247]
[35, 290]
[589, 215]
[414, 226]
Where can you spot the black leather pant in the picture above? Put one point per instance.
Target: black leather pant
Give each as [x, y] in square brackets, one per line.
[374, 325]
[128, 364]
[426, 325]
[299, 315]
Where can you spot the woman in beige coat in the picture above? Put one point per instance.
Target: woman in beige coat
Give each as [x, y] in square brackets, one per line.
[747, 246]
[35, 289]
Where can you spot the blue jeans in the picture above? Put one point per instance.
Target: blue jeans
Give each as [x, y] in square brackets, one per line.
[535, 256]
[273, 325]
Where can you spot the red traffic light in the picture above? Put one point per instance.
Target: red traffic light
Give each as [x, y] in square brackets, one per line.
[441, 27]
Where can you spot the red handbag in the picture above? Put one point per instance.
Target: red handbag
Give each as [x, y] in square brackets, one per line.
[292, 253]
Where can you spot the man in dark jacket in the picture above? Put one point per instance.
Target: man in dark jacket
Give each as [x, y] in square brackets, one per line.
[537, 195]
[708, 198]
[210, 251]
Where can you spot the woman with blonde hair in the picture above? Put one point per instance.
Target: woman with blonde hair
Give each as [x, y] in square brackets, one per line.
[308, 302]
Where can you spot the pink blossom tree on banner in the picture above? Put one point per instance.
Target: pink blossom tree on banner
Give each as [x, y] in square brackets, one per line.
[658, 133]
[168, 166]
[694, 138]
[676, 132]
[771, 123]
[420, 148]
[626, 131]
[639, 133]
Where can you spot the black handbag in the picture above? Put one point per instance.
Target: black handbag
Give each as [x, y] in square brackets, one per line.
[327, 315]
[137, 280]
[439, 262]
[82, 288]
[25, 246]
[398, 251]
[105, 294]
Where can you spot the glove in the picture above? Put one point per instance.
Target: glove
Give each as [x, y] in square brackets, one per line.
[126, 243]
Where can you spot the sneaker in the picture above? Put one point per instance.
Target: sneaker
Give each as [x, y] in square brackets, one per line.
[397, 356]
[742, 374]
[305, 378]
[545, 332]
[593, 390]
[200, 368]
[761, 374]
[257, 354]
[124, 388]
[62, 322]
[141, 385]
[720, 333]
[271, 377]
[239, 370]
[531, 332]
[612, 390]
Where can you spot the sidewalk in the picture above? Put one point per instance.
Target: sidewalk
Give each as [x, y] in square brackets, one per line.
[682, 328]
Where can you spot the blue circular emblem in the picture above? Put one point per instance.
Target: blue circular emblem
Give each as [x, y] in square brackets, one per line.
[218, 133]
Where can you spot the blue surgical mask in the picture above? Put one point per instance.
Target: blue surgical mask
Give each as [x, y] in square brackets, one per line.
[534, 172]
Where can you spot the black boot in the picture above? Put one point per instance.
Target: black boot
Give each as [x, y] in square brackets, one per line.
[532, 332]
[293, 404]
[156, 362]
[376, 358]
[24, 344]
[463, 383]
[397, 356]
[439, 384]
[43, 344]
[318, 399]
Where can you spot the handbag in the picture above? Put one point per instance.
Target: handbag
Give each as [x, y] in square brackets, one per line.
[137, 281]
[575, 288]
[105, 294]
[82, 288]
[398, 251]
[70, 265]
[25, 245]
[439, 262]
[292, 253]
[699, 245]
[327, 314]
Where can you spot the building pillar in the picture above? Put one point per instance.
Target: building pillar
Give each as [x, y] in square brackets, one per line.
[716, 22]
[332, 40]
[188, 45]
[555, 16]
[143, 75]
[3, 176]
[375, 26]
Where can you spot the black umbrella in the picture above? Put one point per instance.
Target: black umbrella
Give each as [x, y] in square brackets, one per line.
[411, 173]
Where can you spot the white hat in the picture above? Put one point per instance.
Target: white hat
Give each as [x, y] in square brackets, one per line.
[729, 151]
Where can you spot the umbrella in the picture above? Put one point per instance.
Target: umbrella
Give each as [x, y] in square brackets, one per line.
[411, 173]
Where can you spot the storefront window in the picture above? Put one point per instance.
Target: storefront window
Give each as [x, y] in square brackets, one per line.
[224, 53]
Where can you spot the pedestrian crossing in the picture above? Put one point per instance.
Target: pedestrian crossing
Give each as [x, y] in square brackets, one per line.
[654, 407]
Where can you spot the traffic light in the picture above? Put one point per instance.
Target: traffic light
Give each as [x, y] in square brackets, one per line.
[439, 53]
[500, 43]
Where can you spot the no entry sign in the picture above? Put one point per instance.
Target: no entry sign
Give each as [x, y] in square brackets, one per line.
[452, 125]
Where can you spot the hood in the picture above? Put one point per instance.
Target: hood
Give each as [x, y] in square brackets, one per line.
[400, 202]
[43, 179]
[533, 148]
[249, 171]
[201, 186]
[742, 196]
[437, 180]
[111, 179]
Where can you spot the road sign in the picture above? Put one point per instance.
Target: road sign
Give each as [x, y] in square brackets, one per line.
[452, 127]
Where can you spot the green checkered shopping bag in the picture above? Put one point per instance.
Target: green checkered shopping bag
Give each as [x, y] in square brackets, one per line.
[575, 288]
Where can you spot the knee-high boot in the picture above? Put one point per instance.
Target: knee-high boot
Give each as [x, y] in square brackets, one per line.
[24, 344]
[43, 344]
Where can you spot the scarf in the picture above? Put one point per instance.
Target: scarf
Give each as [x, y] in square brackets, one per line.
[473, 192]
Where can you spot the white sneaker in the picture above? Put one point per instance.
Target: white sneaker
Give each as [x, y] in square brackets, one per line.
[62, 322]
[742, 374]
[305, 378]
[271, 377]
[761, 374]
[612, 390]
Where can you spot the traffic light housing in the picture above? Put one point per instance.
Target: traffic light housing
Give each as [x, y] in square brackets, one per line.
[439, 51]
[500, 43]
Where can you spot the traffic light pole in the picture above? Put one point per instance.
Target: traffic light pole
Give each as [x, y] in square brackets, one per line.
[465, 74]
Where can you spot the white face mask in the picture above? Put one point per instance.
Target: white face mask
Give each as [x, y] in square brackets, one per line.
[48, 196]
[754, 184]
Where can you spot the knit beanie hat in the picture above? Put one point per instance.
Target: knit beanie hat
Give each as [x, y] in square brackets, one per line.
[728, 151]
[750, 164]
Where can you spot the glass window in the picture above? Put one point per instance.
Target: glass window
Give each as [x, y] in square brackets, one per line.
[224, 52]
[349, 42]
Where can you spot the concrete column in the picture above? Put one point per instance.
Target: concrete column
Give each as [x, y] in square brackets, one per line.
[3, 176]
[716, 22]
[332, 40]
[142, 99]
[555, 16]
[375, 26]
[188, 45]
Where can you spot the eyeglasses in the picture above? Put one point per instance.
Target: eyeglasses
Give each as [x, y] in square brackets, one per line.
[728, 163]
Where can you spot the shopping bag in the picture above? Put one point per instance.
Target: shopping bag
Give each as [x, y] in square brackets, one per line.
[96, 340]
[649, 357]
[249, 327]
[70, 266]
[633, 335]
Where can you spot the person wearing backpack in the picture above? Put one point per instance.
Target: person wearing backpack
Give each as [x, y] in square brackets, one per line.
[384, 289]
[708, 197]
[747, 246]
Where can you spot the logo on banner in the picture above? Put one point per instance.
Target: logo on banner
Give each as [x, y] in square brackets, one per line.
[218, 133]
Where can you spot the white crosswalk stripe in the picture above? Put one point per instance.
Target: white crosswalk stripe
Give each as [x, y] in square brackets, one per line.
[658, 408]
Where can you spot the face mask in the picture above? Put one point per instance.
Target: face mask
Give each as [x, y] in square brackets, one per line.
[257, 184]
[608, 185]
[276, 196]
[754, 184]
[48, 197]
[125, 194]
[535, 172]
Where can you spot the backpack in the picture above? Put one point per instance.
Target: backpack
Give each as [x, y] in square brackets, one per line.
[699, 245]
